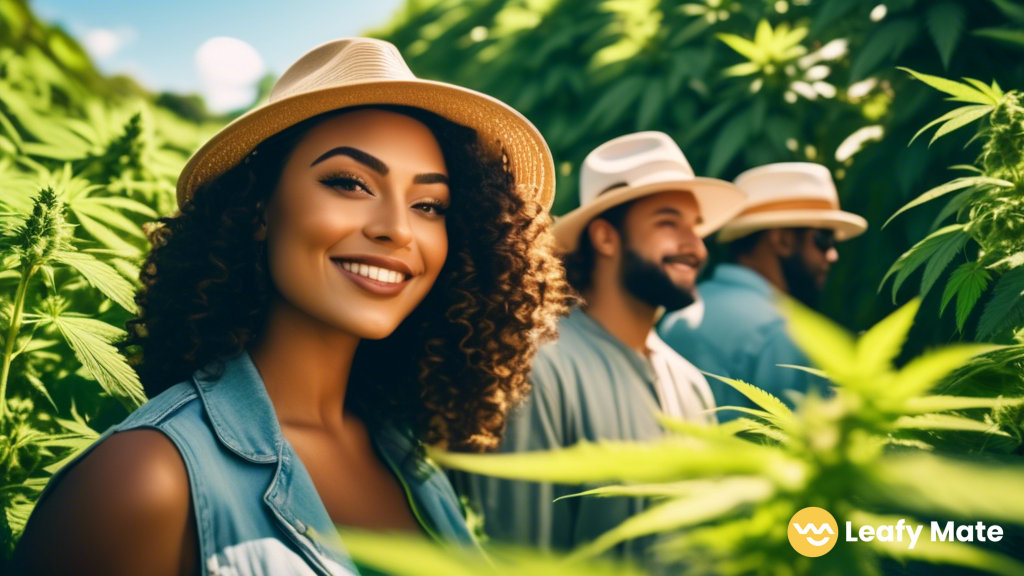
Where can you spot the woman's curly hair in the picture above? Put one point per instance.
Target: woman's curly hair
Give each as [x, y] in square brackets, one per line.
[206, 293]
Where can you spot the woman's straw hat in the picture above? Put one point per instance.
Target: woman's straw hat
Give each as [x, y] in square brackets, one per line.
[364, 71]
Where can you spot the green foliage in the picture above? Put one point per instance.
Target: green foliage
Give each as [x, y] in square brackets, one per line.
[421, 557]
[803, 83]
[945, 22]
[587, 71]
[725, 494]
[935, 251]
[1006, 309]
[82, 166]
[769, 50]
[967, 283]
[989, 207]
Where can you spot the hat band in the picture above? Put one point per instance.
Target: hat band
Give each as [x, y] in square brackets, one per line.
[615, 186]
[667, 176]
[790, 205]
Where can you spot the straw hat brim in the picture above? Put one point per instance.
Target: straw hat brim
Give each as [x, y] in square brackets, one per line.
[498, 126]
[718, 200]
[845, 224]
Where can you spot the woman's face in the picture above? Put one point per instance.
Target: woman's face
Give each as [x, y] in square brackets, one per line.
[355, 228]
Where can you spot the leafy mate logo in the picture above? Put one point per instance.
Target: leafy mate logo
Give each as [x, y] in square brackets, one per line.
[813, 532]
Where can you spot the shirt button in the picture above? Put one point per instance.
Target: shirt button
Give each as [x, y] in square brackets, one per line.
[300, 526]
[422, 471]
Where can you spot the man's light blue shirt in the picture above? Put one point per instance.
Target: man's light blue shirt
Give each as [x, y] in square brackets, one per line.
[742, 335]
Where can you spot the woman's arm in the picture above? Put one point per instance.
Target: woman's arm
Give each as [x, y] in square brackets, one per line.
[124, 509]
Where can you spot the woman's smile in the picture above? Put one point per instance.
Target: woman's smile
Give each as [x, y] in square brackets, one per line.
[376, 275]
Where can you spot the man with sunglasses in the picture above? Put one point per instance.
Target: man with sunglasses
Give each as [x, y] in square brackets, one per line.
[782, 243]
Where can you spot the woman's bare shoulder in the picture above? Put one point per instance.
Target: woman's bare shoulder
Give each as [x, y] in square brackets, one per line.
[123, 509]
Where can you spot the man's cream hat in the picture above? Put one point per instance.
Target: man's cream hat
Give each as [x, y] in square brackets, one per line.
[791, 194]
[637, 165]
[364, 71]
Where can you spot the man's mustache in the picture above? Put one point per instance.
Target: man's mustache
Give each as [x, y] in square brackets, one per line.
[688, 259]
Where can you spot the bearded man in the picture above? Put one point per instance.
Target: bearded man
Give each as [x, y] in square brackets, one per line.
[633, 248]
[782, 243]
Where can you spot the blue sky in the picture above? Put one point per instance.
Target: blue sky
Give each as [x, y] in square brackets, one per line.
[157, 41]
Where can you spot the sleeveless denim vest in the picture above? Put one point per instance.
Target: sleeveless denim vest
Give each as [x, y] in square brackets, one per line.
[257, 511]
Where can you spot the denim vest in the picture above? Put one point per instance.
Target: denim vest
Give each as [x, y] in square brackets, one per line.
[256, 508]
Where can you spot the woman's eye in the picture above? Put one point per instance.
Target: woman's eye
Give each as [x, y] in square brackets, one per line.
[436, 208]
[346, 183]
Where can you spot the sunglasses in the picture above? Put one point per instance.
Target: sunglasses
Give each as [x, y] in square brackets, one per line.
[824, 239]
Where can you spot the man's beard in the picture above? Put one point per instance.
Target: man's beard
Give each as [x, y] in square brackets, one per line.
[647, 282]
[801, 283]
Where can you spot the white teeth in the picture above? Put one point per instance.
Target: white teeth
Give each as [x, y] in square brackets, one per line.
[373, 272]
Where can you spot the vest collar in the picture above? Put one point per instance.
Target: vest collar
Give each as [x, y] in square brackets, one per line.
[243, 419]
[239, 408]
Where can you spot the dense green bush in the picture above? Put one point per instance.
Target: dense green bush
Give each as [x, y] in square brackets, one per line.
[988, 220]
[744, 82]
[738, 83]
[83, 164]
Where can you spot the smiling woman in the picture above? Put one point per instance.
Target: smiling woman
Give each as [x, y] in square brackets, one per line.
[360, 267]
[353, 194]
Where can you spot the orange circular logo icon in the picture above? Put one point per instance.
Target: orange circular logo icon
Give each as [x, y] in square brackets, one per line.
[813, 532]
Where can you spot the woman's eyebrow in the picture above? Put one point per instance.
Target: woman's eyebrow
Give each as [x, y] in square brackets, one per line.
[430, 178]
[356, 154]
[377, 165]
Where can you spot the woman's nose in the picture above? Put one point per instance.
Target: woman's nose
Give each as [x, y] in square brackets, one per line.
[389, 223]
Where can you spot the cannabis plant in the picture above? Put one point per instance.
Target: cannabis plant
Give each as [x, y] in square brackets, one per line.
[724, 495]
[422, 557]
[987, 209]
[82, 167]
[988, 212]
[40, 256]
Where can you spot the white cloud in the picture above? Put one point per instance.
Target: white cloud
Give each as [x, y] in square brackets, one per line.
[102, 43]
[229, 70]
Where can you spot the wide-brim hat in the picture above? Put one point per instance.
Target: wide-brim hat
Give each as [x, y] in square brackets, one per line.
[791, 194]
[845, 224]
[363, 71]
[637, 165]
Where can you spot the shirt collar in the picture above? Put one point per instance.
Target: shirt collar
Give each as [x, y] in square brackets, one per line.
[742, 276]
[584, 322]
